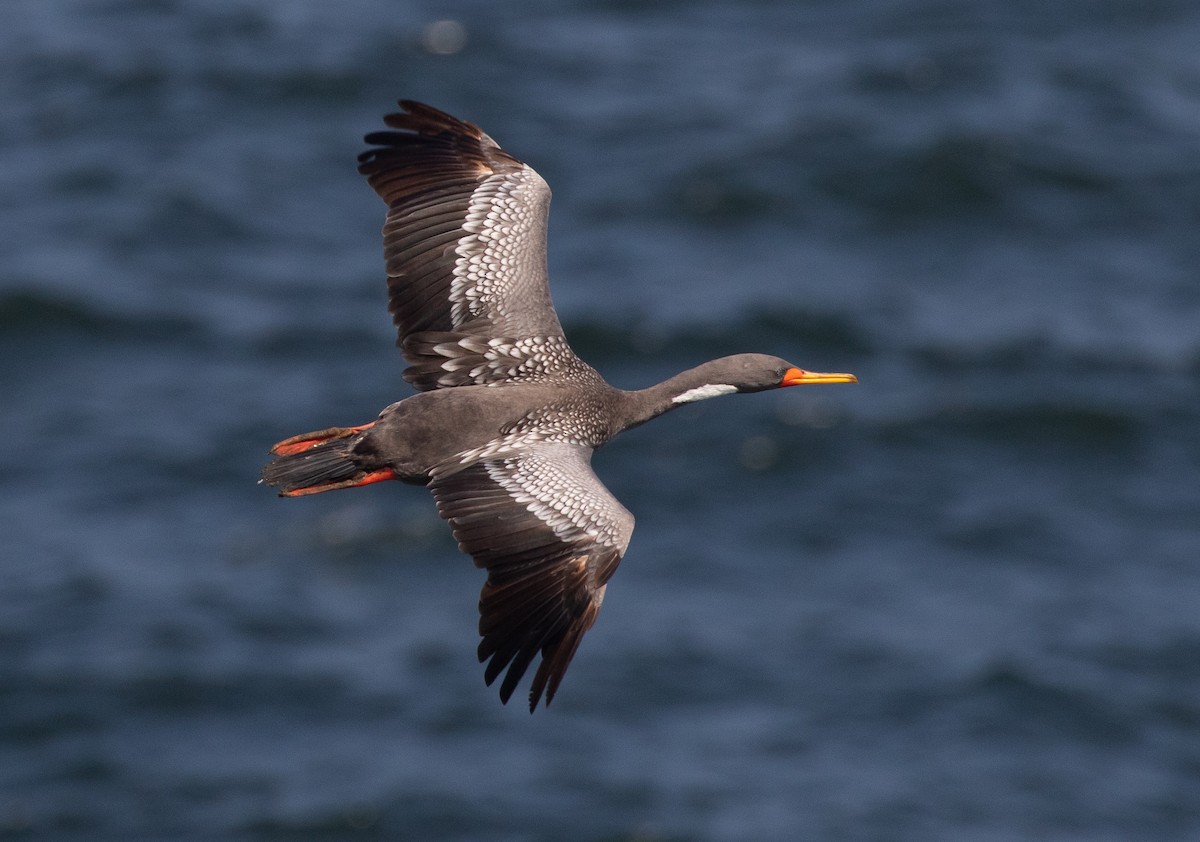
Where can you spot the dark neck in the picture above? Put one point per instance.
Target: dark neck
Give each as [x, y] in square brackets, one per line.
[641, 405]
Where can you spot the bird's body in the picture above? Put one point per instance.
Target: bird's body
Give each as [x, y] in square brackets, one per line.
[507, 417]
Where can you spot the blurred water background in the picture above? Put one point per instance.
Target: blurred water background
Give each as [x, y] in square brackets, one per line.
[957, 601]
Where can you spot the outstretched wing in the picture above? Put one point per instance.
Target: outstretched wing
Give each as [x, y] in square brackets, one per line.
[550, 536]
[465, 248]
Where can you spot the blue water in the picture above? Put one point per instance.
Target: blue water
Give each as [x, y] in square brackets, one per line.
[958, 601]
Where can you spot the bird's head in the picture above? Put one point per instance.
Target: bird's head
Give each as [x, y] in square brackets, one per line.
[747, 373]
[759, 372]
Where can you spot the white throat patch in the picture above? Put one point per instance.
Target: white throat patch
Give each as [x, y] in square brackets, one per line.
[705, 392]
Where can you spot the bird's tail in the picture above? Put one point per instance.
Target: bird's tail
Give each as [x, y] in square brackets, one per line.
[322, 461]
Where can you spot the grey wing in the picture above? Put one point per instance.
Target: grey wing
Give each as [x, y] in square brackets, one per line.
[465, 248]
[550, 536]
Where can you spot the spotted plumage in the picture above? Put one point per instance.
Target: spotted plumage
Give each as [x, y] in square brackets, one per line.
[504, 244]
[506, 416]
[454, 359]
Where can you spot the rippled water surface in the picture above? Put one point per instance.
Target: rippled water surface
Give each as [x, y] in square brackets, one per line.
[960, 600]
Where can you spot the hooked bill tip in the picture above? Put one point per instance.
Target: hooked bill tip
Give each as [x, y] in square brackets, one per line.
[800, 377]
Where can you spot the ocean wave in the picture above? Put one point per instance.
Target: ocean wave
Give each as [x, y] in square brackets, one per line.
[1035, 424]
[32, 311]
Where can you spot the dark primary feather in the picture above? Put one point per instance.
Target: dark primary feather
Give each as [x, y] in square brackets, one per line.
[483, 277]
[547, 574]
